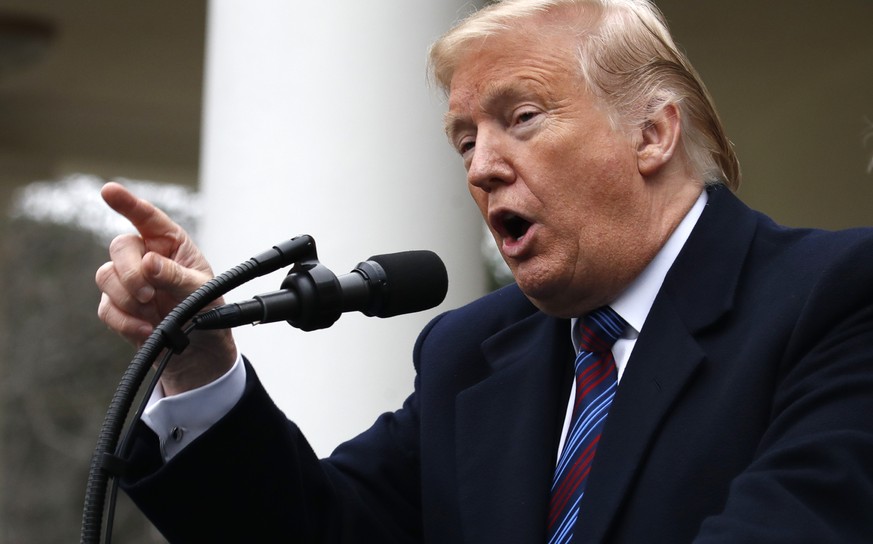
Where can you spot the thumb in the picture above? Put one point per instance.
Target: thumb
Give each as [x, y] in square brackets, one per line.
[168, 276]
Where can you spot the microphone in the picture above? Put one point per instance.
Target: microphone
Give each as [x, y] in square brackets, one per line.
[312, 297]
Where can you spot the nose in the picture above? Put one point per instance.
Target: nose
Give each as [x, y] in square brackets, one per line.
[489, 164]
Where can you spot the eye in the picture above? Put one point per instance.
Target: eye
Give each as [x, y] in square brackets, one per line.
[465, 145]
[525, 116]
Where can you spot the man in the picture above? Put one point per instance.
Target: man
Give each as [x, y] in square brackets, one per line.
[744, 355]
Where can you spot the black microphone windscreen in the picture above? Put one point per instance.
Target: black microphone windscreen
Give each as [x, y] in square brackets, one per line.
[416, 280]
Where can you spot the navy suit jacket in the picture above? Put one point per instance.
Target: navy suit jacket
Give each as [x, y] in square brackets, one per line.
[745, 414]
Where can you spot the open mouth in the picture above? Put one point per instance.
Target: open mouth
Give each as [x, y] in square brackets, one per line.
[513, 226]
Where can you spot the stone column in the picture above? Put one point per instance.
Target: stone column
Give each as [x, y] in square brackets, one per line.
[318, 119]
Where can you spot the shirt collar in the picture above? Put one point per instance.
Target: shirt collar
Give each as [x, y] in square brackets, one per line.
[634, 303]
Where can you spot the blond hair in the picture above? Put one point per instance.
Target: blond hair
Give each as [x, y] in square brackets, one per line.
[627, 58]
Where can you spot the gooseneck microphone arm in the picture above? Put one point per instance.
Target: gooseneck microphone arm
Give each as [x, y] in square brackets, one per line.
[312, 297]
[169, 334]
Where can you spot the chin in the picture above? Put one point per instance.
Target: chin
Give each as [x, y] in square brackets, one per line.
[551, 301]
[558, 300]
[559, 309]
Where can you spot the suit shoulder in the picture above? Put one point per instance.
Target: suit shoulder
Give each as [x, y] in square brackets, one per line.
[814, 251]
[470, 324]
[489, 313]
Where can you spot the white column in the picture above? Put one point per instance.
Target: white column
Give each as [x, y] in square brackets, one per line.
[318, 119]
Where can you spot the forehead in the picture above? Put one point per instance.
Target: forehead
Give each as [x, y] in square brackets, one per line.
[512, 67]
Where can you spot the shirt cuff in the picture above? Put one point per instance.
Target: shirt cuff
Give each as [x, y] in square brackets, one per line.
[179, 419]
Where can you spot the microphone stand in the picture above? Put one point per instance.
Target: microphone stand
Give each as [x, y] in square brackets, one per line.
[107, 461]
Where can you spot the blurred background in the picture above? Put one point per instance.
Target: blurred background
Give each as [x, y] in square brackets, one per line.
[140, 91]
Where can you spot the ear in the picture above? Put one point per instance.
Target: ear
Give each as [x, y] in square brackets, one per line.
[660, 139]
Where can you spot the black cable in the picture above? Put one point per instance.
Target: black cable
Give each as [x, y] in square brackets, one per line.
[124, 446]
[168, 334]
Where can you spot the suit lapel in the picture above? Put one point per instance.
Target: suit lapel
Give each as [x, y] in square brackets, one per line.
[503, 422]
[697, 292]
[657, 373]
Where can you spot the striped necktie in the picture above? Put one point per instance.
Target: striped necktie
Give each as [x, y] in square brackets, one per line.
[596, 383]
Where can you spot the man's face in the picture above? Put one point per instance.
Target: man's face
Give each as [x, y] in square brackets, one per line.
[558, 186]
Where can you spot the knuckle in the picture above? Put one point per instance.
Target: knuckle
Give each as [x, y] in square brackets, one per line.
[125, 244]
[130, 276]
[106, 270]
[119, 243]
[103, 310]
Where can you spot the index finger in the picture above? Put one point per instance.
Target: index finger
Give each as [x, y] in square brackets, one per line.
[149, 220]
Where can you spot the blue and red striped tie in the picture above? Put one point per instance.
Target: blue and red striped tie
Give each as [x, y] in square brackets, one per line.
[596, 382]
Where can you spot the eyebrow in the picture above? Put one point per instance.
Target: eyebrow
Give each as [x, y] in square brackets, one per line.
[452, 123]
[492, 97]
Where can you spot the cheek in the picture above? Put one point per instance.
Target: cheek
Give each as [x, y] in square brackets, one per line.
[480, 197]
[602, 181]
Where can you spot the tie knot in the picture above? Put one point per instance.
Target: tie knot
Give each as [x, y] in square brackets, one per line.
[600, 329]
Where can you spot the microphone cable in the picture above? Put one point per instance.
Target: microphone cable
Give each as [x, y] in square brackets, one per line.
[124, 445]
[312, 297]
[106, 460]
